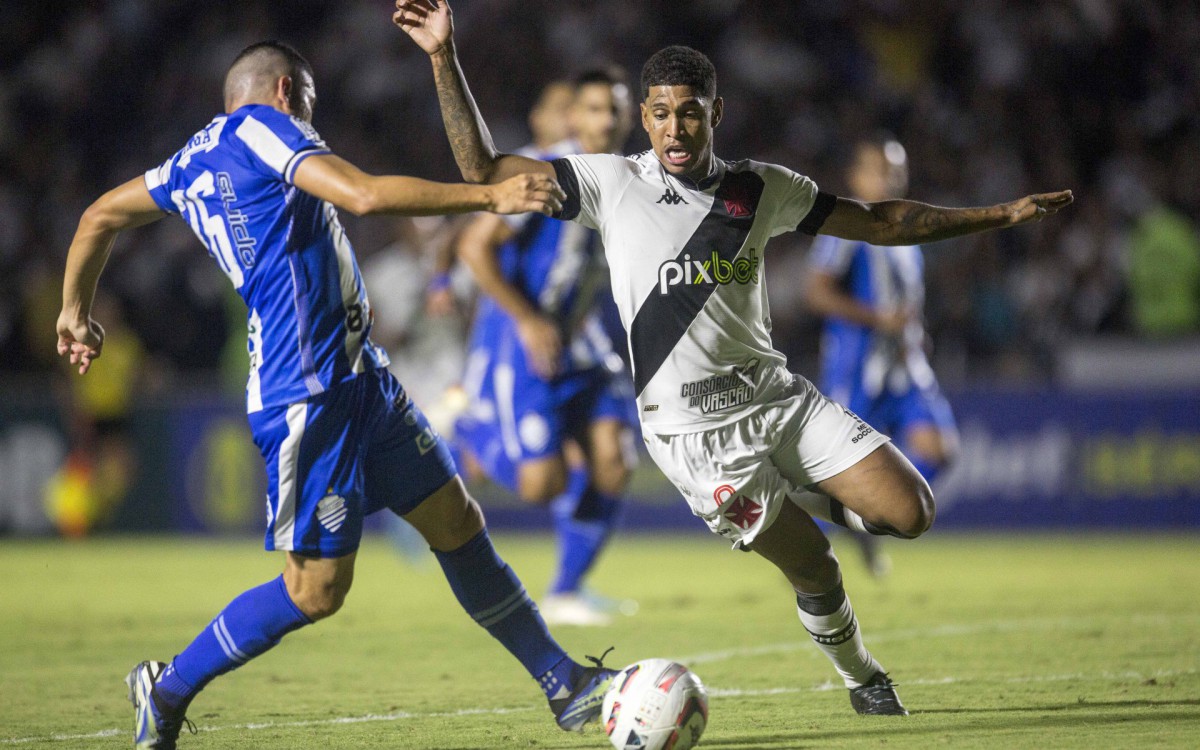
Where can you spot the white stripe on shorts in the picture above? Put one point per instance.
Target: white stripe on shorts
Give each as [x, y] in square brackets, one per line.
[505, 384]
[289, 454]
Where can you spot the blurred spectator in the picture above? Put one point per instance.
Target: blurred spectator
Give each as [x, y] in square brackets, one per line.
[1165, 273]
[99, 469]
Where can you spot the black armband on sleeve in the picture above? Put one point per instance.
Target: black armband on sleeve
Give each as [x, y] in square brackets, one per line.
[821, 208]
[565, 174]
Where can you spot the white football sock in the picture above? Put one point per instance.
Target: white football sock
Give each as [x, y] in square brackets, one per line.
[830, 620]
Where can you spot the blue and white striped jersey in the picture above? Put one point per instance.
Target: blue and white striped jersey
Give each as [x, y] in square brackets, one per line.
[859, 359]
[284, 250]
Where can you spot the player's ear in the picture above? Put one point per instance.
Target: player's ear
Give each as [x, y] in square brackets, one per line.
[645, 116]
[718, 111]
[283, 94]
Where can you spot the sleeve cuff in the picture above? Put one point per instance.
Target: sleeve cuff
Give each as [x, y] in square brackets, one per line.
[289, 172]
[565, 174]
[821, 208]
[155, 180]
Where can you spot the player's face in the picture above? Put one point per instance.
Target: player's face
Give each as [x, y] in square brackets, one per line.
[680, 124]
[601, 117]
[549, 120]
[876, 174]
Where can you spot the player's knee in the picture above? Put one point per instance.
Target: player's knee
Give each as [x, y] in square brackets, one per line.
[541, 483]
[460, 529]
[919, 512]
[610, 475]
[320, 599]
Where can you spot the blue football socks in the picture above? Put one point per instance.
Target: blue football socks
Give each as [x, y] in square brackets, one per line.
[493, 595]
[584, 519]
[252, 624]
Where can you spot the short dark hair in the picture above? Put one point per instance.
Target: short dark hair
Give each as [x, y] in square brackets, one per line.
[258, 63]
[680, 66]
[295, 61]
[611, 75]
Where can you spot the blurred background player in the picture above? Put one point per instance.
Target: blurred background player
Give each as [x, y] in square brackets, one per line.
[420, 300]
[548, 125]
[873, 358]
[551, 413]
[340, 437]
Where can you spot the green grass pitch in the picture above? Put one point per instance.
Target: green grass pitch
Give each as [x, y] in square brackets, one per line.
[996, 641]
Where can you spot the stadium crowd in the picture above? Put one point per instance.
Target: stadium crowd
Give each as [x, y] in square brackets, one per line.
[992, 99]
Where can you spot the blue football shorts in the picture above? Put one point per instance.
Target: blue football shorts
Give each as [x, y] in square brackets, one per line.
[526, 418]
[895, 415]
[340, 456]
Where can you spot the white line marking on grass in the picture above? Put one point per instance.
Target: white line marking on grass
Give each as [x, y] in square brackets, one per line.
[64, 737]
[394, 716]
[712, 692]
[935, 631]
[828, 686]
[1076, 623]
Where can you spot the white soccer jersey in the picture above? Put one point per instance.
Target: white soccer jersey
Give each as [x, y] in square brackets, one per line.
[687, 269]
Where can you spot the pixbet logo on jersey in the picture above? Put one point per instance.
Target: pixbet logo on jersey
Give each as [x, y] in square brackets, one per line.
[716, 270]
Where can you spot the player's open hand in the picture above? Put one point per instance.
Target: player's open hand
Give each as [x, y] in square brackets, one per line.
[543, 344]
[81, 339]
[1037, 207]
[430, 23]
[527, 193]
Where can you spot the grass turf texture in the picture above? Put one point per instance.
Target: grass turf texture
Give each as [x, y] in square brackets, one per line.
[1005, 642]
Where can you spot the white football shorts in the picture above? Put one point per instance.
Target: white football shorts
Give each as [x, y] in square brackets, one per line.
[736, 477]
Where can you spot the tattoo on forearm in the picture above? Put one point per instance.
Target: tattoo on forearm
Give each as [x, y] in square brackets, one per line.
[919, 222]
[468, 136]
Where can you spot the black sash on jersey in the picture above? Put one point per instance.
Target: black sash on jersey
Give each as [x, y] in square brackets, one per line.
[663, 318]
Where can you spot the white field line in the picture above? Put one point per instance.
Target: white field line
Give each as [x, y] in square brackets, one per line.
[936, 631]
[713, 656]
[712, 692]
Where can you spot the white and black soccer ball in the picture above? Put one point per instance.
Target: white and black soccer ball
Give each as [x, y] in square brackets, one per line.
[655, 704]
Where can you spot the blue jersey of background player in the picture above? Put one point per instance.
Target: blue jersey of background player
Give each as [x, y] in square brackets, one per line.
[873, 357]
[551, 413]
[340, 437]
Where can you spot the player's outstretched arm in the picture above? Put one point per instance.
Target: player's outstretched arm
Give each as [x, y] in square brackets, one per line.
[430, 23]
[336, 180]
[903, 222]
[477, 247]
[124, 207]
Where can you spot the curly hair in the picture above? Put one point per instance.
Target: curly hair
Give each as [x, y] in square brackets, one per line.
[680, 66]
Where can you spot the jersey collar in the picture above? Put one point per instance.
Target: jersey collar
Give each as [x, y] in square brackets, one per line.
[714, 176]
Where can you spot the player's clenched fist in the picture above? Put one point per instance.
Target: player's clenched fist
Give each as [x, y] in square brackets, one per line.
[527, 193]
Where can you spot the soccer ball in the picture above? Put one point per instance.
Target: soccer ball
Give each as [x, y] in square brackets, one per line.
[655, 704]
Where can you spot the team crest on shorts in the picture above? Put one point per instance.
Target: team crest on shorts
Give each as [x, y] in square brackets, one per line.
[743, 512]
[332, 512]
[740, 510]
